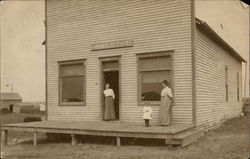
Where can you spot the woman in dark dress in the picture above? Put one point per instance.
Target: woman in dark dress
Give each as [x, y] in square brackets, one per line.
[109, 108]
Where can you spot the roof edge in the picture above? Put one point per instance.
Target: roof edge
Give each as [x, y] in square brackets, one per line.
[203, 26]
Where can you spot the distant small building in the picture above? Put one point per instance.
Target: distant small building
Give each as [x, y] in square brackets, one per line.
[23, 106]
[16, 108]
[42, 107]
[28, 107]
[9, 99]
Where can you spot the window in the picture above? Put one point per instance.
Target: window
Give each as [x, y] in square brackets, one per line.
[226, 82]
[72, 83]
[153, 69]
[238, 86]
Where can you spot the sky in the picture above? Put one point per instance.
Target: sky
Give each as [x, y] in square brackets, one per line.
[22, 32]
[22, 55]
[230, 19]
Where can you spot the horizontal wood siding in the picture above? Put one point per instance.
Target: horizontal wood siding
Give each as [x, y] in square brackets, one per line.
[153, 26]
[212, 108]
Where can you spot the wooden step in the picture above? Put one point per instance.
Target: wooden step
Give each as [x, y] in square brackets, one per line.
[186, 138]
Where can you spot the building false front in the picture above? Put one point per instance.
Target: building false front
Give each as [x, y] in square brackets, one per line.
[133, 46]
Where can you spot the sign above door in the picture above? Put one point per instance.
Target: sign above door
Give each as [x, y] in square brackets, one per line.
[112, 45]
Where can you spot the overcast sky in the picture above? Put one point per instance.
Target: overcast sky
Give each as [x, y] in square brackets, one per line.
[22, 55]
[230, 19]
[22, 32]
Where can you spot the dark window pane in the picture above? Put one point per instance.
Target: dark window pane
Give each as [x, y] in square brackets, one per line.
[111, 65]
[226, 75]
[226, 93]
[226, 81]
[151, 84]
[238, 85]
[155, 63]
[68, 70]
[72, 89]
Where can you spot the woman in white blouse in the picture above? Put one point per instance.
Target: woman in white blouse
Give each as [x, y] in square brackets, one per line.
[166, 96]
[109, 109]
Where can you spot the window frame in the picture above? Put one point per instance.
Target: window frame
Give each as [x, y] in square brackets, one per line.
[65, 63]
[139, 80]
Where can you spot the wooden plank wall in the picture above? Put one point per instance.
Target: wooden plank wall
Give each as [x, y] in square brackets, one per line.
[153, 26]
[212, 108]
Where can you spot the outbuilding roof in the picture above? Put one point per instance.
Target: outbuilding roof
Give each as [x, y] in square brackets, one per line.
[10, 96]
[206, 29]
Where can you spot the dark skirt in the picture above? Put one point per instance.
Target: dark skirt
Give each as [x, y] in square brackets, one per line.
[109, 109]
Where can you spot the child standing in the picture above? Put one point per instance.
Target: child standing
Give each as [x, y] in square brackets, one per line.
[147, 113]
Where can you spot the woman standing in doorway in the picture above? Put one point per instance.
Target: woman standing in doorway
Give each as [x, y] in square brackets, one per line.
[166, 96]
[109, 109]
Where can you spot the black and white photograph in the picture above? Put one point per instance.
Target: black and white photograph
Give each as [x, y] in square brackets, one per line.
[124, 79]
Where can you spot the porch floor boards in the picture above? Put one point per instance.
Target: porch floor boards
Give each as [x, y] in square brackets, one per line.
[109, 126]
[99, 128]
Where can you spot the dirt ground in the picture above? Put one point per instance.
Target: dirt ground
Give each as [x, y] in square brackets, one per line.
[230, 141]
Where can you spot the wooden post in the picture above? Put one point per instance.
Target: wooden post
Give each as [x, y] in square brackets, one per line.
[118, 141]
[73, 139]
[5, 137]
[35, 139]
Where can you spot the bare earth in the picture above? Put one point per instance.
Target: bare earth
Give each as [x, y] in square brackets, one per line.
[230, 141]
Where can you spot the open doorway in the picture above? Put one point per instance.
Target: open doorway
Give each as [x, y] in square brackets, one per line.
[110, 75]
[11, 108]
[113, 79]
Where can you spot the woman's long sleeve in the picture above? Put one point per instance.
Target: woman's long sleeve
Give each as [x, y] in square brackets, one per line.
[169, 93]
[113, 94]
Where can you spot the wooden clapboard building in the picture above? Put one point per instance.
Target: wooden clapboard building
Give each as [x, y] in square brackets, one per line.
[9, 100]
[134, 45]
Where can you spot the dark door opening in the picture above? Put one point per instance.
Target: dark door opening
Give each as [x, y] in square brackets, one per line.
[11, 108]
[112, 77]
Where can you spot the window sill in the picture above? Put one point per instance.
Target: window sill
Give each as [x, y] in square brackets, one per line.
[72, 104]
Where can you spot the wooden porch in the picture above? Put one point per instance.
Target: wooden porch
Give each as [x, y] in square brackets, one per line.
[176, 134]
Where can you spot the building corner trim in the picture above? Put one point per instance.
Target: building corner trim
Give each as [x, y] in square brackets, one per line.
[193, 45]
[46, 62]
